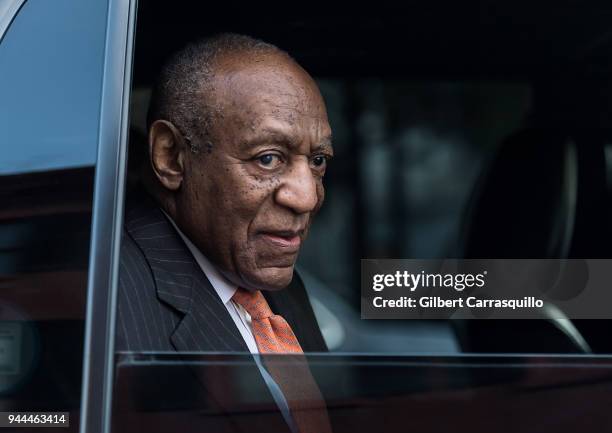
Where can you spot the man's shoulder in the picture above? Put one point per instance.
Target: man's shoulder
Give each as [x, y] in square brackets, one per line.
[141, 211]
[137, 218]
[143, 321]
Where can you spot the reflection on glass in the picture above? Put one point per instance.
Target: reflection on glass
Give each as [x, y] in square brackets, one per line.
[50, 80]
[223, 392]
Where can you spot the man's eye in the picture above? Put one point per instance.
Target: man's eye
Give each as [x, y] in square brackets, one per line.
[319, 161]
[269, 160]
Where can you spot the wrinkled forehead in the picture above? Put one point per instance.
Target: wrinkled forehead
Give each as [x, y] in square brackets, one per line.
[273, 86]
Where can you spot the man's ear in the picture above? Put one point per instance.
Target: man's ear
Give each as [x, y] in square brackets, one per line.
[166, 152]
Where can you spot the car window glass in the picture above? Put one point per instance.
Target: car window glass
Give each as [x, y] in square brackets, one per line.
[50, 82]
[51, 62]
[448, 143]
[415, 141]
[367, 393]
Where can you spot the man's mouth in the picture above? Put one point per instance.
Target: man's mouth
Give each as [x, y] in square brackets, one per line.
[287, 239]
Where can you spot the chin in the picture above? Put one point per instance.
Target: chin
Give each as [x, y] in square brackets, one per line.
[270, 278]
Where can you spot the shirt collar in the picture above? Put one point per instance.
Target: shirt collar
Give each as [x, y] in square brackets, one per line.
[222, 286]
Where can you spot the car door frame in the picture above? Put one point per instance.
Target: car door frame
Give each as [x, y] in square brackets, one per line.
[107, 218]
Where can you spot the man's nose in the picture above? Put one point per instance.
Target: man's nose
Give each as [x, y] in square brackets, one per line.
[298, 190]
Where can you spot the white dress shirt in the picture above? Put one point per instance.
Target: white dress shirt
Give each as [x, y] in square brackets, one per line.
[241, 318]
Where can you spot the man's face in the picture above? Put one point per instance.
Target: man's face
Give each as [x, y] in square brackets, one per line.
[248, 199]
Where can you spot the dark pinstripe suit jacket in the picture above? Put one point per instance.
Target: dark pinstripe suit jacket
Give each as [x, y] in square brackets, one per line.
[166, 303]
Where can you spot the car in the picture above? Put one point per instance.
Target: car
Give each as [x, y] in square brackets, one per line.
[460, 132]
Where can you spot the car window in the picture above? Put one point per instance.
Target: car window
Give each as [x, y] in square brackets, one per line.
[368, 393]
[50, 80]
[49, 119]
[471, 134]
[427, 156]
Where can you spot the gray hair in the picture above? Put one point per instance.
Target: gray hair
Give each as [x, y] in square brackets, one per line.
[180, 93]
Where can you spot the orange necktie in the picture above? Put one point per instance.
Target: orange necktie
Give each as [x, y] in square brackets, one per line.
[273, 335]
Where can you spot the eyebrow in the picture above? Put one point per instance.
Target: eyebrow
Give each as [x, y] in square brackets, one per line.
[325, 144]
[267, 135]
[279, 137]
[276, 135]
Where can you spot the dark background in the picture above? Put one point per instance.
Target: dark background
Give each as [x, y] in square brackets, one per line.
[460, 131]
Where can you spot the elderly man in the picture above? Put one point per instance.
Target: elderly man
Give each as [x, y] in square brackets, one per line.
[239, 142]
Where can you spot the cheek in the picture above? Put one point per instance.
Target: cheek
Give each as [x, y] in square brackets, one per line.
[244, 197]
[258, 187]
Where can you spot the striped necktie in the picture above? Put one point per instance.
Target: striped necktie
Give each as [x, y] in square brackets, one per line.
[273, 335]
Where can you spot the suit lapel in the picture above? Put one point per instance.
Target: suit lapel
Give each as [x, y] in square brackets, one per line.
[181, 284]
